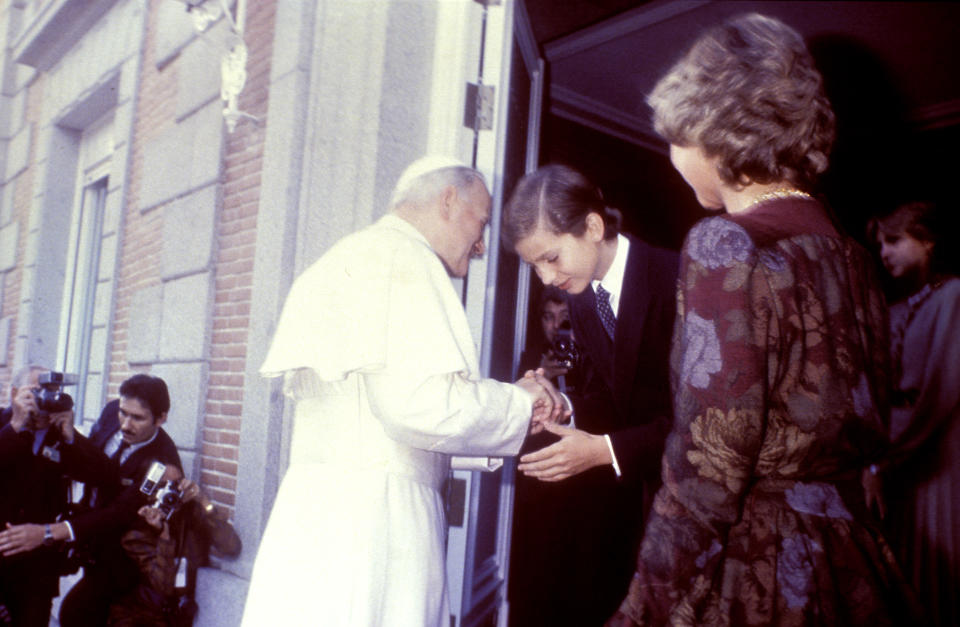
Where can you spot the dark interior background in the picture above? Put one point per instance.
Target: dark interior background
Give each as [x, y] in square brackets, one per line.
[890, 71]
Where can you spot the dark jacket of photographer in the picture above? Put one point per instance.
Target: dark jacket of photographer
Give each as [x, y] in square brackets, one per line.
[190, 534]
[33, 489]
[111, 495]
[108, 508]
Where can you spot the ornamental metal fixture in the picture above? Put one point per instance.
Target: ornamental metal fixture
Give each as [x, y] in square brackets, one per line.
[233, 63]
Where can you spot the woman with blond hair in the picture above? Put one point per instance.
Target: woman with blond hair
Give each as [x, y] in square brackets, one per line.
[779, 361]
[922, 472]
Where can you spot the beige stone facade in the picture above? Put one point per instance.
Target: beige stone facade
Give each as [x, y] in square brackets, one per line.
[138, 234]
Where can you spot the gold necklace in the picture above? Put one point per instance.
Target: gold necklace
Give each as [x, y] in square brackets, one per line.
[783, 192]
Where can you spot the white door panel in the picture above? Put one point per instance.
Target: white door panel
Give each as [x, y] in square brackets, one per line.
[500, 53]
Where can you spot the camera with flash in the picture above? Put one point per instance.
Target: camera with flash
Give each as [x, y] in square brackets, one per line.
[165, 496]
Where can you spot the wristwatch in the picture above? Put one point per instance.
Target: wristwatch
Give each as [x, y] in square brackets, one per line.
[47, 536]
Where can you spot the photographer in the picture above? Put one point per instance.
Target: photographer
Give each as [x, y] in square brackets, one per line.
[33, 489]
[172, 539]
[124, 442]
[541, 353]
[112, 463]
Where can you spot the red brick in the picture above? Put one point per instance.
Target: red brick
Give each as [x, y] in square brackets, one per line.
[222, 496]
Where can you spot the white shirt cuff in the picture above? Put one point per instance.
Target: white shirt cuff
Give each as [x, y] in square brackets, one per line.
[566, 399]
[613, 456]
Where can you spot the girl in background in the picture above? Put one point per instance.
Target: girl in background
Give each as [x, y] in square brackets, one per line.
[922, 474]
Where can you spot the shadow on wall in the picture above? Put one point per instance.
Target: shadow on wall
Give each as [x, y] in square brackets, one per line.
[874, 162]
[882, 158]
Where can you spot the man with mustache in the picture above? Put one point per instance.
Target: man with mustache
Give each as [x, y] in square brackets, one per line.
[112, 462]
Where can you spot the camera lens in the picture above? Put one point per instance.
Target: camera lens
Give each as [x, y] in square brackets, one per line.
[53, 401]
[565, 348]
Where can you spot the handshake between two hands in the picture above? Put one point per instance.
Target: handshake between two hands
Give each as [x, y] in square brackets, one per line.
[549, 405]
[576, 450]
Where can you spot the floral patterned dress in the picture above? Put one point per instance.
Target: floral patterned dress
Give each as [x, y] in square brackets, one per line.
[780, 383]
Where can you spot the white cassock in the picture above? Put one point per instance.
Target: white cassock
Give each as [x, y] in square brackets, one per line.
[375, 348]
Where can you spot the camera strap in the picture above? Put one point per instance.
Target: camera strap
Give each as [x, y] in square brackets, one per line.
[180, 581]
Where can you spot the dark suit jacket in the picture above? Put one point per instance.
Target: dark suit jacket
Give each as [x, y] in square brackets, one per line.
[99, 524]
[33, 489]
[635, 368]
[574, 541]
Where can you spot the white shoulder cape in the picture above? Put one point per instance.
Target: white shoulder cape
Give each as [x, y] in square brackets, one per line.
[379, 300]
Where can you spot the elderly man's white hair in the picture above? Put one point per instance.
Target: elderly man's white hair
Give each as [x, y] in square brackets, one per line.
[22, 376]
[428, 176]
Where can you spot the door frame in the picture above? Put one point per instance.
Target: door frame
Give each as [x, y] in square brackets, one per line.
[478, 590]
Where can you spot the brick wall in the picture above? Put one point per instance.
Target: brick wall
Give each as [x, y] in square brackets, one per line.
[140, 246]
[234, 264]
[140, 262]
[22, 206]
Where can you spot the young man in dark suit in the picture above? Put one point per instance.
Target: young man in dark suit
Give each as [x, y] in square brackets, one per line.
[622, 295]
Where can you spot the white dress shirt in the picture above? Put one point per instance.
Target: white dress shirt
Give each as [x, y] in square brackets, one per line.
[612, 281]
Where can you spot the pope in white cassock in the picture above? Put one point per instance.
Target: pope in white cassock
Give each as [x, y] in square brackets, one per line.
[374, 346]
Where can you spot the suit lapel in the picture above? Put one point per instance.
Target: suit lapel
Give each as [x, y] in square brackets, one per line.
[631, 318]
[108, 426]
[591, 334]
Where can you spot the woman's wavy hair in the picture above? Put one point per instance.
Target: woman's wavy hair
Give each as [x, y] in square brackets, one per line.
[559, 196]
[748, 93]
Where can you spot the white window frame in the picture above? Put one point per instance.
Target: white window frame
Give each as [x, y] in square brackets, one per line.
[82, 268]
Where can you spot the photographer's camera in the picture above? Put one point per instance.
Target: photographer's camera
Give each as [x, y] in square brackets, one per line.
[50, 397]
[165, 496]
[565, 348]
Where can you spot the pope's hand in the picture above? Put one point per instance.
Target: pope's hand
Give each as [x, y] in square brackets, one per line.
[560, 412]
[575, 452]
[542, 402]
[548, 404]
